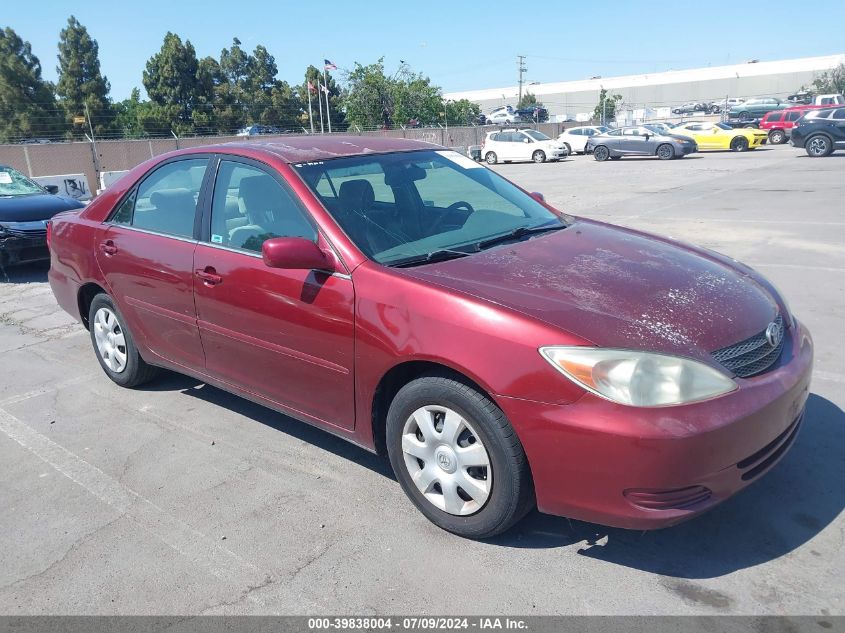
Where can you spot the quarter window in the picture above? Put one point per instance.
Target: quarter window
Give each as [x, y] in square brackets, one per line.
[250, 207]
[839, 115]
[166, 201]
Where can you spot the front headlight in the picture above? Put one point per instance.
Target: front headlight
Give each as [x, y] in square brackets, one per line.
[639, 379]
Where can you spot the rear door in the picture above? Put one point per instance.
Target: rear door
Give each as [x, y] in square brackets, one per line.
[284, 335]
[146, 253]
[838, 120]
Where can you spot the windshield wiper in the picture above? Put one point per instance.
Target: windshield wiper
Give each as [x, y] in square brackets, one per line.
[440, 255]
[518, 232]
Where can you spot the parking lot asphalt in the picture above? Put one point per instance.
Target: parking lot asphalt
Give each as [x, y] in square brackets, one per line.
[178, 498]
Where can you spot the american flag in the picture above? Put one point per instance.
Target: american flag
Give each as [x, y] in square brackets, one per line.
[328, 65]
[311, 87]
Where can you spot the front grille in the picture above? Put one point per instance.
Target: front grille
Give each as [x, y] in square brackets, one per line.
[752, 356]
[27, 233]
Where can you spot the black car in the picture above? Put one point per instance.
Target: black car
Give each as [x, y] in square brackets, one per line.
[537, 114]
[25, 208]
[820, 132]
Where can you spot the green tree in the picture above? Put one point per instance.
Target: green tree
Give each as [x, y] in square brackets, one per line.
[80, 82]
[171, 81]
[606, 108]
[134, 118]
[528, 100]
[27, 104]
[832, 81]
[462, 112]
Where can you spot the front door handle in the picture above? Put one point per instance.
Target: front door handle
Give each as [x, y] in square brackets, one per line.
[209, 276]
[108, 247]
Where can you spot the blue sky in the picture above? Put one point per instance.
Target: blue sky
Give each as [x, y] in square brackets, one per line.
[460, 45]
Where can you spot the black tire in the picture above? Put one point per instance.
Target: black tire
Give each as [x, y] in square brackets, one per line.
[491, 158]
[818, 146]
[739, 144]
[715, 110]
[568, 149]
[777, 137]
[512, 492]
[665, 152]
[136, 371]
[539, 156]
[744, 116]
[601, 153]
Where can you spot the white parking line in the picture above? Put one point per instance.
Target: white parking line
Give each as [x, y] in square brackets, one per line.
[187, 541]
[45, 390]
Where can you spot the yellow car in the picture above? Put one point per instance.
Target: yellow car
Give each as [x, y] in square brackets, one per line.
[722, 136]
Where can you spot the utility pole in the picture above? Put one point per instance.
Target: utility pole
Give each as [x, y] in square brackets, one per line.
[520, 62]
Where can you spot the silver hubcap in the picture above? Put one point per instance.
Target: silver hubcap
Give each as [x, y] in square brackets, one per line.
[111, 344]
[818, 146]
[447, 460]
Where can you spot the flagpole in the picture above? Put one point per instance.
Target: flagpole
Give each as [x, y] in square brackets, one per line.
[326, 86]
[310, 114]
[320, 103]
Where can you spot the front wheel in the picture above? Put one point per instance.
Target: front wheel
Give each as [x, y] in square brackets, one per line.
[601, 153]
[114, 345]
[715, 110]
[568, 149]
[744, 116]
[818, 146]
[776, 137]
[539, 156]
[491, 158]
[666, 152]
[457, 457]
[739, 144]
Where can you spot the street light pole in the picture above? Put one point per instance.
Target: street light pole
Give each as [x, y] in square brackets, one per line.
[522, 69]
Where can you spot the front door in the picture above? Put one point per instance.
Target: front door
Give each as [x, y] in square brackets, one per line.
[283, 335]
[146, 253]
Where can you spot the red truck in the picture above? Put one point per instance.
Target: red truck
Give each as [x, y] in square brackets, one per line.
[779, 123]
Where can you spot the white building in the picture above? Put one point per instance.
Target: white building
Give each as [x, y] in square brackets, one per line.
[666, 89]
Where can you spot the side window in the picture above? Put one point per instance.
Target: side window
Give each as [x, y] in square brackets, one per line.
[774, 117]
[123, 215]
[576, 132]
[167, 200]
[616, 132]
[250, 207]
[793, 116]
[839, 115]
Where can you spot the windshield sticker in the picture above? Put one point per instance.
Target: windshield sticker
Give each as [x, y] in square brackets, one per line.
[216, 239]
[460, 159]
[5, 178]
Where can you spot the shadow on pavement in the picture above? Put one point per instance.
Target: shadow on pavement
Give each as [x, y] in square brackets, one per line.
[789, 506]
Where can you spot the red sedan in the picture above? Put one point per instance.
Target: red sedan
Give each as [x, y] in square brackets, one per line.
[501, 353]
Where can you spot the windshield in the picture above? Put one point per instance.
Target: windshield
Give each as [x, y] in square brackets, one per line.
[14, 183]
[602, 128]
[406, 205]
[724, 126]
[537, 136]
[659, 128]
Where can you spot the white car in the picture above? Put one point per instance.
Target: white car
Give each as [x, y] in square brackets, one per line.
[725, 104]
[514, 145]
[575, 138]
[502, 116]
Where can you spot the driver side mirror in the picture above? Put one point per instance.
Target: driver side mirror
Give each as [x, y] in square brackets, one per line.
[715, 130]
[295, 253]
[647, 136]
[526, 140]
[538, 196]
[54, 189]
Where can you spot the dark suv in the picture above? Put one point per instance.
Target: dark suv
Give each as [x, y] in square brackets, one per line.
[820, 132]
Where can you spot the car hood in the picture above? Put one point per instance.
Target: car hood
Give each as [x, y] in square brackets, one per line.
[40, 206]
[616, 287]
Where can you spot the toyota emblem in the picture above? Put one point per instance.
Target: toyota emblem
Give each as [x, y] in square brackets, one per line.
[774, 334]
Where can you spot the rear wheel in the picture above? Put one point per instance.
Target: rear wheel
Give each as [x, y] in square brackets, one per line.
[601, 153]
[739, 144]
[457, 457]
[744, 116]
[491, 158]
[776, 137]
[539, 156]
[665, 152]
[715, 109]
[818, 146]
[114, 345]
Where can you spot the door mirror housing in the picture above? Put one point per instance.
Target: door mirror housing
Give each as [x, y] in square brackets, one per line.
[526, 140]
[538, 196]
[294, 253]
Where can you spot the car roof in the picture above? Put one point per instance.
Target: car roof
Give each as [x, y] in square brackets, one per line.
[306, 148]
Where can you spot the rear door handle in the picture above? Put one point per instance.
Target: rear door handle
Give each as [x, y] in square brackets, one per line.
[108, 247]
[209, 276]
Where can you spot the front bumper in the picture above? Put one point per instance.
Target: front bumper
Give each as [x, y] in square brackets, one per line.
[647, 468]
[22, 250]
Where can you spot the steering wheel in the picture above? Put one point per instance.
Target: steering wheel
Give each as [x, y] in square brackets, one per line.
[460, 204]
